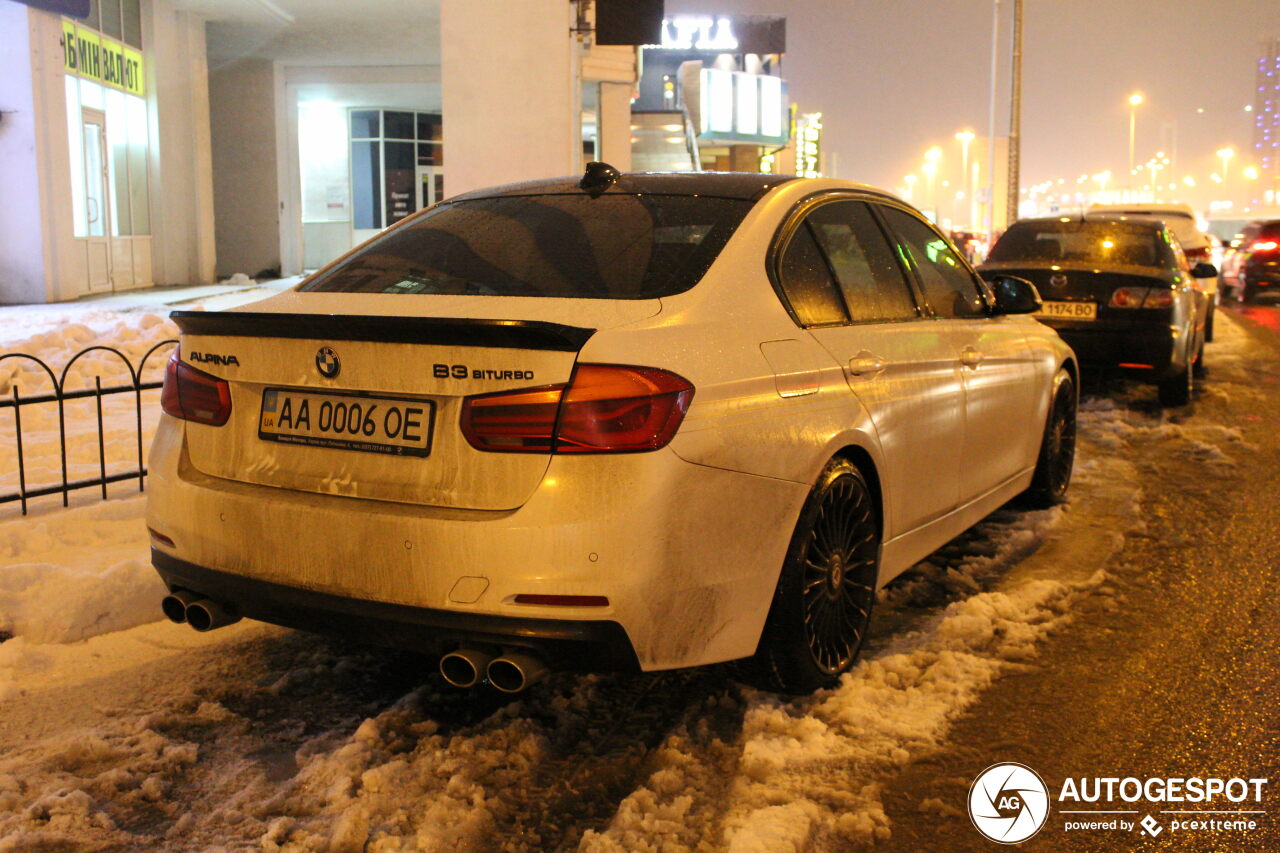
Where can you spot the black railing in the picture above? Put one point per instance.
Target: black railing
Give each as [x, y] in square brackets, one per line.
[60, 396]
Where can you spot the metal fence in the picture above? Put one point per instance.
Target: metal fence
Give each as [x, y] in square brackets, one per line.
[60, 395]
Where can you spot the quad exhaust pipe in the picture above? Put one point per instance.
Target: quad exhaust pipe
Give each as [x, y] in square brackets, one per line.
[510, 672]
[202, 614]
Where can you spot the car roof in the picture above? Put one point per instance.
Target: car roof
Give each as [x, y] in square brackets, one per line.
[1142, 209]
[736, 185]
[1091, 219]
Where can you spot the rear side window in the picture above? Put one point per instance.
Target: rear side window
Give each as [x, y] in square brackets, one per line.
[863, 262]
[947, 282]
[807, 284]
[615, 246]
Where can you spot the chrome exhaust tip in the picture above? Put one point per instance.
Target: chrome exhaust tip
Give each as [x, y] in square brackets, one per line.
[175, 604]
[514, 672]
[464, 667]
[206, 614]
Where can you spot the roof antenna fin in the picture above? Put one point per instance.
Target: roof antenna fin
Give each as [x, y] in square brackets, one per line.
[598, 177]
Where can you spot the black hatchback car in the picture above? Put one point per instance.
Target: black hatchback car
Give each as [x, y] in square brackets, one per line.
[1119, 291]
[1256, 264]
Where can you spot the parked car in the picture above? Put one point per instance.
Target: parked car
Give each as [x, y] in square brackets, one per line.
[1199, 246]
[628, 422]
[1254, 260]
[1119, 291]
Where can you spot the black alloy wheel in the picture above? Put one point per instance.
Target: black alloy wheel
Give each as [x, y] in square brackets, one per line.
[1057, 447]
[822, 606]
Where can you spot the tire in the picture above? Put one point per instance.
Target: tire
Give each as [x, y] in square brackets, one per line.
[1208, 323]
[1176, 390]
[822, 605]
[1057, 448]
[1198, 370]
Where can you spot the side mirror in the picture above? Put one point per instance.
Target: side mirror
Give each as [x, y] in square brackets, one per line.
[1013, 295]
[1204, 270]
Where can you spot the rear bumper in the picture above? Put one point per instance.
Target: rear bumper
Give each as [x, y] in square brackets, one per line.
[686, 555]
[597, 646]
[1108, 349]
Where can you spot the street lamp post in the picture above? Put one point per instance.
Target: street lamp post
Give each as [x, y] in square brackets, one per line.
[965, 137]
[931, 158]
[1226, 153]
[911, 185]
[1134, 100]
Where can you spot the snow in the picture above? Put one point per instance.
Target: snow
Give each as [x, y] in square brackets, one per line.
[121, 732]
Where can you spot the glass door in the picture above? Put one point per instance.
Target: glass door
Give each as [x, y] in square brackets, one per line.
[97, 211]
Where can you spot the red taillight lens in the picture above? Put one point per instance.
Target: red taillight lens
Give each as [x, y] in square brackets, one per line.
[194, 395]
[514, 421]
[1141, 297]
[606, 408]
[1265, 246]
[1197, 255]
[1128, 297]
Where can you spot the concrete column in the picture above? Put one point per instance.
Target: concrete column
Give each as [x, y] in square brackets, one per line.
[510, 92]
[246, 195]
[615, 125]
[183, 242]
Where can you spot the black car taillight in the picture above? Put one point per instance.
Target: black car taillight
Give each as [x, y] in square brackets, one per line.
[194, 395]
[1141, 297]
[605, 408]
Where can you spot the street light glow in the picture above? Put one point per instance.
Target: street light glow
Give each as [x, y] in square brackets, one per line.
[1135, 99]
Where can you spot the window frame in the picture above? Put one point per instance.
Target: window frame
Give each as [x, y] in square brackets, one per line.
[798, 217]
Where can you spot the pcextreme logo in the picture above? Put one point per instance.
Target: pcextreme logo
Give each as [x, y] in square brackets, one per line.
[1010, 802]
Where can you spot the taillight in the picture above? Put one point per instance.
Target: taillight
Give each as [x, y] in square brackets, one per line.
[1141, 297]
[605, 408]
[1265, 246]
[1197, 255]
[194, 395]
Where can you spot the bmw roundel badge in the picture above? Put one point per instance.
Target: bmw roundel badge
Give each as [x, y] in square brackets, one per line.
[327, 362]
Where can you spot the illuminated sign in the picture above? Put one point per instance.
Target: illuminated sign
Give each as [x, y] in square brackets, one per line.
[698, 33]
[740, 107]
[89, 54]
[809, 145]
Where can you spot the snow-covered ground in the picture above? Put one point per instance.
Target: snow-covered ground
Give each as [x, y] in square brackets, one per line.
[120, 732]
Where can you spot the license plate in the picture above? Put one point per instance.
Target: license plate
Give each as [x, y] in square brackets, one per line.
[1069, 310]
[365, 422]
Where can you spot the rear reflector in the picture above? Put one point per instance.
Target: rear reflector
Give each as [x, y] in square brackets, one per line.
[160, 537]
[194, 395]
[605, 408]
[563, 600]
[1137, 366]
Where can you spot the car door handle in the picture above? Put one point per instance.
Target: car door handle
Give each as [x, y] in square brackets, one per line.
[970, 357]
[866, 363]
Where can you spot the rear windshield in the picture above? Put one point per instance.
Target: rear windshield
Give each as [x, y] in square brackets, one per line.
[610, 247]
[1089, 242]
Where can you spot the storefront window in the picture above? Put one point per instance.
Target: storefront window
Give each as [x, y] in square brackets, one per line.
[107, 131]
[387, 149]
[121, 19]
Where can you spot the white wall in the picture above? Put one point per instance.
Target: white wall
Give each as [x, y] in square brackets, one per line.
[246, 195]
[22, 269]
[510, 97]
[182, 214]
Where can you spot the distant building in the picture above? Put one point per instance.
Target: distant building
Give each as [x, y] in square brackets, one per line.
[1266, 120]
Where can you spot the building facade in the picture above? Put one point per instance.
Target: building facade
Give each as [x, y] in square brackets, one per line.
[1266, 121]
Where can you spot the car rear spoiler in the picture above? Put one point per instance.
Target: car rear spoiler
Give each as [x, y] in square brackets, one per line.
[440, 331]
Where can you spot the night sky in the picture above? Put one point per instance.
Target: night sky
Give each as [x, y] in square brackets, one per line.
[894, 78]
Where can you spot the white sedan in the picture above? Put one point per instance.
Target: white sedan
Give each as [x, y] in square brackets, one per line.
[627, 422]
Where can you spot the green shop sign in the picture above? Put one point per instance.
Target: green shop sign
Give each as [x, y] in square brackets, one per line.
[91, 55]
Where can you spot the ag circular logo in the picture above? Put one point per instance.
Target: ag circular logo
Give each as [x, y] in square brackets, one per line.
[1058, 280]
[1008, 803]
[327, 362]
